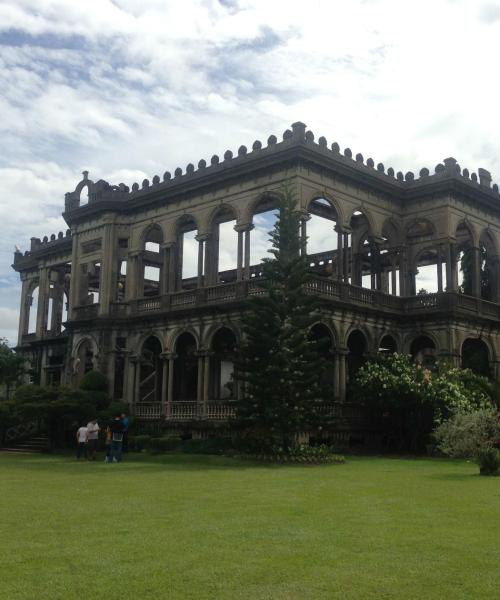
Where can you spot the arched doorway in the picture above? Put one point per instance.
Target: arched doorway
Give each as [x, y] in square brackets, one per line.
[423, 351]
[356, 357]
[150, 371]
[221, 383]
[476, 356]
[185, 369]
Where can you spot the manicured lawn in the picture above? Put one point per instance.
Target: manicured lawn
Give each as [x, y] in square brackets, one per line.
[208, 527]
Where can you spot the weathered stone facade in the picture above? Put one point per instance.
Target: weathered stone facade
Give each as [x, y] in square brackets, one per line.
[164, 339]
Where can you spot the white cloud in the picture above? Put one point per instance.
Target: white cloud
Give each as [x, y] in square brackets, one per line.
[128, 89]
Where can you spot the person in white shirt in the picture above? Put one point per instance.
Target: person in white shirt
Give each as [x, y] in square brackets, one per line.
[93, 438]
[81, 440]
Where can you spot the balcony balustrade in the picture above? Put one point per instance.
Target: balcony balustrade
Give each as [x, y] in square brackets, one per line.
[222, 411]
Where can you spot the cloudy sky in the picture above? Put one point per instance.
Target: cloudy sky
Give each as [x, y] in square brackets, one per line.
[130, 88]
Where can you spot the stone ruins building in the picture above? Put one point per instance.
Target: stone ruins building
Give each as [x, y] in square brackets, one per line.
[115, 292]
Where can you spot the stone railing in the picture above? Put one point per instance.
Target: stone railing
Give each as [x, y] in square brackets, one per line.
[222, 411]
[219, 412]
[184, 411]
[327, 288]
[148, 410]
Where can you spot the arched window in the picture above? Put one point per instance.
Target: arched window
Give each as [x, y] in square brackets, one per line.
[222, 384]
[185, 368]
[150, 372]
[476, 356]
[357, 346]
[423, 351]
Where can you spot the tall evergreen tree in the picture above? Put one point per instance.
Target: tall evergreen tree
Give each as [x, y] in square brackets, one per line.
[280, 365]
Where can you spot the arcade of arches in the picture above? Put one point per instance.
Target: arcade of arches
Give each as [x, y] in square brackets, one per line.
[149, 283]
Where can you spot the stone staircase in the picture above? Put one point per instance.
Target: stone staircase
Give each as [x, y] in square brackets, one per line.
[31, 445]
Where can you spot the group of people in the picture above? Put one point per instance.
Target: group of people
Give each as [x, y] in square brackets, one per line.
[87, 439]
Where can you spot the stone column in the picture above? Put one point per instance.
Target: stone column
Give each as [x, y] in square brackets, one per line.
[131, 285]
[24, 312]
[451, 268]
[248, 229]
[199, 391]
[340, 254]
[211, 259]
[336, 377]
[201, 240]
[164, 357]
[137, 380]
[43, 301]
[342, 375]
[75, 279]
[172, 267]
[403, 291]
[476, 272]
[239, 258]
[206, 379]
[346, 257]
[108, 275]
[439, 270]
[165, 266]
[170, 394]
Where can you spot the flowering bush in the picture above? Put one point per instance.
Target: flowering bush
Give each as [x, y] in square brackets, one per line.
[472, 435]
[407, 401]
[300, 454]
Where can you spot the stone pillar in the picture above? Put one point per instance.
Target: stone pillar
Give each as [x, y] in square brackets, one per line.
[247, 251]
[346, 257]
[132, 274]
[201, 241]
[336, 377]
[137, 380]
[342, 355]
[108, 275]
[24, 312]
[211, 259]
[172, 267]
[403, 291]
[43, 301]
[199, 391]
[206, 380]
[439, 270]
[165, 267]
[239, 258]
[178, 263]
[75, 279]
[476, 272]
[170, 393]
[451, 268]
[340, 254]
[164, 357]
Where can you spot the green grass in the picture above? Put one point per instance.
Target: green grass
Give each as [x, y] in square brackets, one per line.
[208, 527]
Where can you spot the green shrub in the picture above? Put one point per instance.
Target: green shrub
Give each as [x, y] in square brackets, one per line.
[93, 381]
[159, 445]
[489, 461]
[464, 435]
[139, 442]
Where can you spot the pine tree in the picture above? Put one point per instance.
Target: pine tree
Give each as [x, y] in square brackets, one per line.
[280, 365]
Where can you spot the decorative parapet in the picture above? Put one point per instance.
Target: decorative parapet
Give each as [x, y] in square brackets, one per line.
[298, 135]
